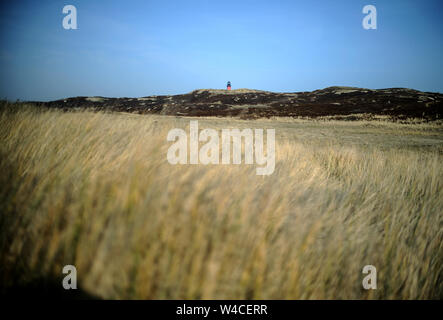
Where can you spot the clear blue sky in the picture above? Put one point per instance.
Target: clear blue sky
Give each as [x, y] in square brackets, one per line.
[140, 48]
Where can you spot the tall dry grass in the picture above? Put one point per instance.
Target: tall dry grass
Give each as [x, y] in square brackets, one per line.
[95, 190]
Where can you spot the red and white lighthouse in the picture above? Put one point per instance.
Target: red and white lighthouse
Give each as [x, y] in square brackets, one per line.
[228, 86]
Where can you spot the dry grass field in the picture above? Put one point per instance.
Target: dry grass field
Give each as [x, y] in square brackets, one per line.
[95, 190]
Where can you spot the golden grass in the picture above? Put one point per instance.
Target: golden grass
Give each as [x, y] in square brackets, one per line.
[95, 190]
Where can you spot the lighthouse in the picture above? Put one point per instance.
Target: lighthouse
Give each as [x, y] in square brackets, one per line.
[228, 86]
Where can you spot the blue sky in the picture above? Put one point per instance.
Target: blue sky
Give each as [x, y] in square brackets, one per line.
[140, 48]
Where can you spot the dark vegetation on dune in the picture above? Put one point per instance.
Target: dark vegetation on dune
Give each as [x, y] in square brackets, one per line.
[396, 103]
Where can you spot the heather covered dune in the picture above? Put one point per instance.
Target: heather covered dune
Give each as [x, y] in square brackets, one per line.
[347, 103]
